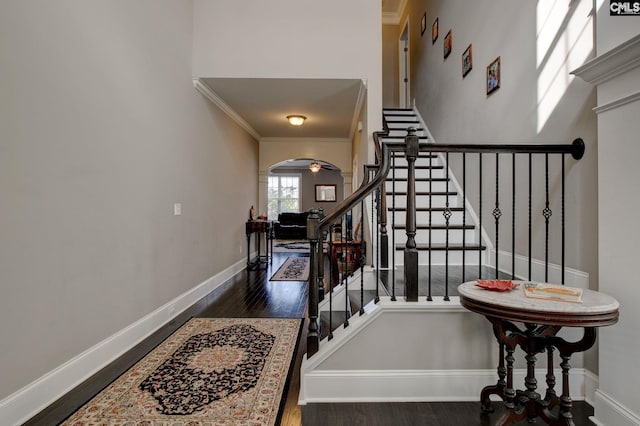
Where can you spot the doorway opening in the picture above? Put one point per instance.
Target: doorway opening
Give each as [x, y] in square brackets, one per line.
[405, 69]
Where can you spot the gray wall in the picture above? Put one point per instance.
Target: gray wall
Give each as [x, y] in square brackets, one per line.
[310, 180]
[538, 102]
[101, 132]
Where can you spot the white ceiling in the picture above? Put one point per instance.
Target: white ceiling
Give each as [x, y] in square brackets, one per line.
[264, 103]
[330, 105]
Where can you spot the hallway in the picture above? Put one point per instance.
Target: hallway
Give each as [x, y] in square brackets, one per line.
[251, 294]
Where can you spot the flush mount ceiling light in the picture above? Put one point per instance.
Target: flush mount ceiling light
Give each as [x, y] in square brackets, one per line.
[315, 167]
[296, 120]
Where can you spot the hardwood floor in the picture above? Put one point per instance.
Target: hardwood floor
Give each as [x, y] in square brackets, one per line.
[251, 294]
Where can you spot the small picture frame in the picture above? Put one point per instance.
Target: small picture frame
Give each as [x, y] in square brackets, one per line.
[493, 75]
[325, 193]
[447, 44]
[467, 61]
[434, 31]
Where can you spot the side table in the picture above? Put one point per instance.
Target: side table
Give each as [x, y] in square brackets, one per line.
[263, 230]
[541, 321]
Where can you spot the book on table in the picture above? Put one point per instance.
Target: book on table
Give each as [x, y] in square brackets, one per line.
[556, 292]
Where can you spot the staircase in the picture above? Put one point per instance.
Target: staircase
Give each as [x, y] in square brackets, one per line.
[365, 341]
[443, 245]
[445, 233]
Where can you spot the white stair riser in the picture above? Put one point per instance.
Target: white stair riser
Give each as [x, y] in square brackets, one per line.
[423, 217]
[404, 117]
[438, 257]
[423, 201]
[420, 173]
[437, 186]
[438, 236]
[395, 133]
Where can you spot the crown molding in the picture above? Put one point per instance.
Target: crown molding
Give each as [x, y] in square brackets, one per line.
[611, 64]
[302, 140]
[217, 100]
[390, 18]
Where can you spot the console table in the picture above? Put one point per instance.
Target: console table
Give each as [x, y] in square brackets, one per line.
[540, 321]
[262, 229]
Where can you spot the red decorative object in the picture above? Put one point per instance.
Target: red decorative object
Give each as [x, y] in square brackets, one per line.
[496, 285]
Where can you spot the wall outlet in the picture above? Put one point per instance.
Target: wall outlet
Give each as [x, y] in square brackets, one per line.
[177, 209]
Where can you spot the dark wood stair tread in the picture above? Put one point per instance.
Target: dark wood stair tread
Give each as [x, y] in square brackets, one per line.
[437, 227]
[443, 247]
[424, 193]
[426, 209]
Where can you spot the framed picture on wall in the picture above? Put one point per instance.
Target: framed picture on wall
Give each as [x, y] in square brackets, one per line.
[325, 193]
[467, 61]
[447, 44]
[434, 31]
[493, 75]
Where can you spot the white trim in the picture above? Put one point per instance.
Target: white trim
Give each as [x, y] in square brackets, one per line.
[572, 277]
[591, 382]
[611, 64]
[306, 140]
[356, 111]
[617, 103]
[390, 18]
[217, 100]
[36, 396]
[414, 385]
[609, 412]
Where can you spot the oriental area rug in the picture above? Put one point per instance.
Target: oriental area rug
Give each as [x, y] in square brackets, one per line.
[293, 269]
[211, 371]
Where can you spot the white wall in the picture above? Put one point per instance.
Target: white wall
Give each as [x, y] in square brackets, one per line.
[285, 39]
[101, 132]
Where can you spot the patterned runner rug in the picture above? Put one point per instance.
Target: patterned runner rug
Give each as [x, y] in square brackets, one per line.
[212, 371]
[293, 269]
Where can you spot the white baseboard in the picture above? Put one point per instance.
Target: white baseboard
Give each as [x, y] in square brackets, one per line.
[609, 412]
[415, 385]
[572, 277]
[36, 396]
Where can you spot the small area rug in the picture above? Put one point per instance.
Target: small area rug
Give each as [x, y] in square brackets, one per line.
[211, 371]
[293, 269]
[293, 246]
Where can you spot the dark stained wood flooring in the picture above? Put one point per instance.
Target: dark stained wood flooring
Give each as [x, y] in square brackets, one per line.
[251, 294]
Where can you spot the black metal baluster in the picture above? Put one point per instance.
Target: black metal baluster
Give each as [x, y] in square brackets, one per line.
[513, 216]
[393, 228]
[429, 296]
[361, 259]
[563, 223]
[547, 214]
[331, 271]
[345, 268]
[464, 215]
[497, 213]
[530, 195]
[480, 212]
[377, 246]
[447, 216]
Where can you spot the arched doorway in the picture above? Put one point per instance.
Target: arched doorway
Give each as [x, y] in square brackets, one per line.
[293, 186]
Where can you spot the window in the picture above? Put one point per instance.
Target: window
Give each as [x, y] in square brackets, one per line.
[283, 195]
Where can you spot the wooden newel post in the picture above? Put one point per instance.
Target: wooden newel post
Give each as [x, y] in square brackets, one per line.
[410, 250]
[313, 234]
